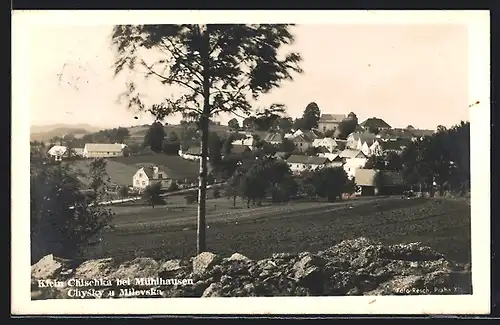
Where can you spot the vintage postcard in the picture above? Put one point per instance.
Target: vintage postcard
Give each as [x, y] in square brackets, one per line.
[273, 162]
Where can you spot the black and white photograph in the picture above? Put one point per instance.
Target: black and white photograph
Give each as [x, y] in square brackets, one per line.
[305, 162]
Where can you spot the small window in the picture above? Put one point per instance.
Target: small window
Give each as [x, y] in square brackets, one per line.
[140, 175]
[108, 152]
[136, 182]
[143, 183]
[160, 175]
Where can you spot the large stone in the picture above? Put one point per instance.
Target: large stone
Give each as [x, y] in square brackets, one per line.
[238, 257]
[352, 267]
[138, 268]
[170, 267]
[213, 290]
[95, 269]
[204, 262]
[46, 268]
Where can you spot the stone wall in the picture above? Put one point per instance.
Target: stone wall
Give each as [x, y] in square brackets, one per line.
[353, 267]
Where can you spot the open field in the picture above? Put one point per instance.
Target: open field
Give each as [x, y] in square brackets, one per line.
[175, 166]
[120, 174]
[170, 231]
[122, 169]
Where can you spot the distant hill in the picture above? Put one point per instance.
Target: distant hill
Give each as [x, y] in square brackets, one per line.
[137, 133]
[47, 132]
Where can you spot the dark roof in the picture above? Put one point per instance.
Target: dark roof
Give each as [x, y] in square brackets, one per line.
[350, 153]
[375, 122]
[307, 160]
[367, 137]
[195, 151]
[149, 172]
[359, 128]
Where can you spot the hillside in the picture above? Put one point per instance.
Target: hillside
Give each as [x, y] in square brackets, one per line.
[137, 132]
[122, 169]
[47, 132]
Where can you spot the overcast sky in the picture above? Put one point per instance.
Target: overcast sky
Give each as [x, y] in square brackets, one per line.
[405, 74]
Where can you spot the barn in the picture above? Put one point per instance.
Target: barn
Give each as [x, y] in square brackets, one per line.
[379, 182]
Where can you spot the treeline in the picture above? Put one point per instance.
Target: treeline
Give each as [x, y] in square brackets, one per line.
[441, 161]
[274, 119]
[271, 178]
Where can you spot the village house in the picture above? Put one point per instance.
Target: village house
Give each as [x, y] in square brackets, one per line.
[372, 147]
[334, 158]
[147, 176]
[248, 141]
[301, 142]
[375, 123]
[192, 153]
[57, 153]
[310, 134]
[353, 160]
[379, 182]
[329, 122]
[273, 138]
[102, 150]
[281, 155]
[299, 163]
[367, 142]
[330, 144]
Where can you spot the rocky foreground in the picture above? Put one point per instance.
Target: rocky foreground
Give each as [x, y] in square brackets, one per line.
[352, 267]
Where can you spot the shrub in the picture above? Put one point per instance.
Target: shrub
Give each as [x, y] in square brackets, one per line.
[152, 193]
[216, 193]
[124, 191]
[64, 219]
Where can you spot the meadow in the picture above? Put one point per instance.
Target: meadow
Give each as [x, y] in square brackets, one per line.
[122, 169]
[169, 231]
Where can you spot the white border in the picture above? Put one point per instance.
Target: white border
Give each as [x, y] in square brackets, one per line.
[479, 90]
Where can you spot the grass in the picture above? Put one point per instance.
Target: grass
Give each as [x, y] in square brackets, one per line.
[170, 231]
[122, 169]
[120, 174]
[174, 166]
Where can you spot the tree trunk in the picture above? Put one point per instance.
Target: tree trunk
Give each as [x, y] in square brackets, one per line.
[204, 120]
